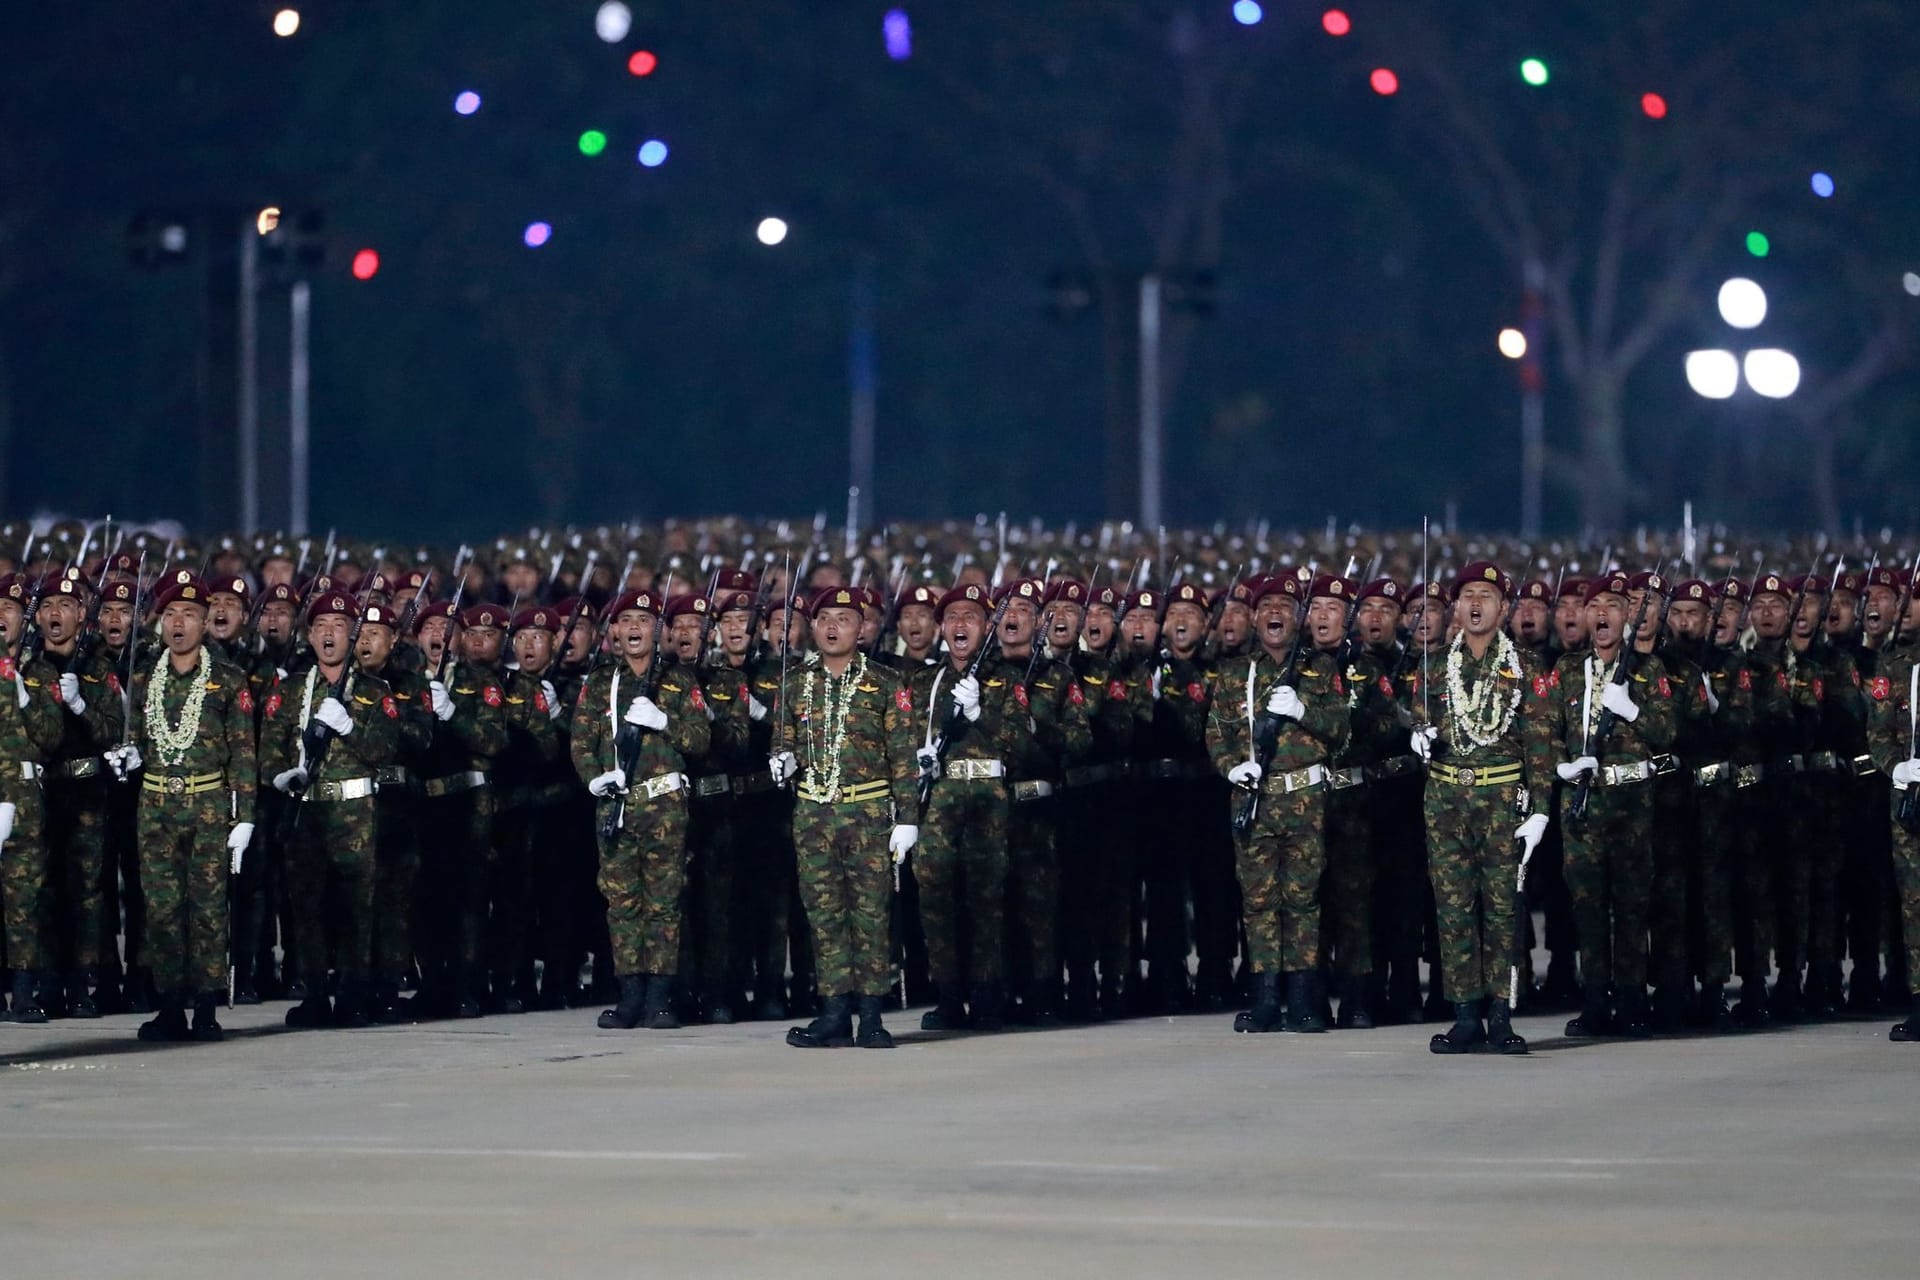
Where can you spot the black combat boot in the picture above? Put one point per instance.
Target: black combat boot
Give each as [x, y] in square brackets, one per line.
[659, 1008]
[1633, 1018]
[1305, 995]
[871, 1034]
[1501, 1037]
[204, 1026]
[383, 1002]
[719, 1008]
[1592, 1020]
[26, 1007]
[1712, 1012]
[1042, 1003]
[988, 1006]
[948, 1013]
[1827, 1003]
[1356, 1002]
[313, 1011]
[770, 1007]
[1672, 1002]
[80, 1001]
[1863, 986]
[1465, 1035]
[625, 1016]
[1753, 1011]
[833, 1029]
[1910, 1029]
[466, 1004]
[1786, 1004]
[169, 1025]
[1265, 1015]
[1113, 1000]
[350, 1007]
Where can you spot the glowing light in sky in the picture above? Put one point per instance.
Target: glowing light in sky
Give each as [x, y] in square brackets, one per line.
[537, 234]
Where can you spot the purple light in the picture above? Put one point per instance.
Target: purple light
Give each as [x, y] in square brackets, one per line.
[537, 234]
[466, 102]
[899, 33]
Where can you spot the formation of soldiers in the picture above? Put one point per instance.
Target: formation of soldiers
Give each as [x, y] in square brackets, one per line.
[713, 771]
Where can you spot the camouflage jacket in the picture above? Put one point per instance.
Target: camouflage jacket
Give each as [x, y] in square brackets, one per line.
[414, 734]
[1377, 732]
[877, 739]
[1527, 739]
[475, 737]
[601, 711]
[1569, 720]
[1240, 700]
[374, 741]
[1062, 732]
[1004, 726]
[1172, 726]
[1108, 698]
[33, 732]
[224, 743]
[1891, 707]
[103, 723]
[536, 754]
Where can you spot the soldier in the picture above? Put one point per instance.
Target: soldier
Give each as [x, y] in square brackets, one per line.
[1893, 704]
[919, 632]
[31, 727]
[1610, 845]
[259, 893]
[1840, 742]
[1872, 921]
[1485, 765]
[1531, 623]
[1273, 726]
[978, 719]
[634, 728]
[1761, 782]
[1399, 842]
[533, 777]
[849, 725]
[193, 735]
[229, 603]
[331, 849]
[123, 900]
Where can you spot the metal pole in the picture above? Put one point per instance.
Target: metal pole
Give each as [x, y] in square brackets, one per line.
[860, 360]
[1150, 409]
[249, 415]
[300, 326]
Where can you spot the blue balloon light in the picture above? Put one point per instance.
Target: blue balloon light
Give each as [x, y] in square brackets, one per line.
[1823, 185]
[653, 153]
[1247, 12]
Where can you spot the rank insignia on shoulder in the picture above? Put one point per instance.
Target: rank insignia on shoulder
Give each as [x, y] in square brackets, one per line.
[1074, 695]
[491, 697]
[903, 700]
[213, 686]
[244, 701]
[365, 702]
[1882, 688]
[869, 688]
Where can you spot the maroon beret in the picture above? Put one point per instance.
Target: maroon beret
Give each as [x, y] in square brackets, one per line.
[1647, 580]
[184, 584]
[1187, 593]
[1535, 589]
[1610, 584]
[66, 583]
[633, 598]
[686, 606]
[1382, 589]
[330, 602]
[725, 602]
[854, 598]
[381, 615]
[1483, 571]
[1107, 597]
[1890, 578]
[13, 587]
[234, 586]
[1072, 590]
[281, 592]
[1028, 589]
[548, 618]
[969, 593]
[1730, 589]
[921, 594]
[736, 580]
[1149, 600]
[1852, 582]
[485, 615]
[1808, 584]
[1771, 584]
[120, 590]
[428, 612]
[1571, 587]
[1692, 589]
[1280, 584]
[1430, 591]
[1329, 586]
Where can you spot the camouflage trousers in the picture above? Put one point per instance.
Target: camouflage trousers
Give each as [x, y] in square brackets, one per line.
[23, 875]
[763, 890]
[846, 884]
[1610, 875]
[396, 868]
[183, 864]
[643, 872]
[1866, 881]
[330, 862]
[1472, 860]
[1670, 906]
[459, 856]
[1346, 890]
[76, 826]
[1033, 891]
[1712, 872]
[707, 944]
[1094, 871]
[1805, 870]
[1756, 829]
[1280, 864]
[961, 863]
[1906, 870]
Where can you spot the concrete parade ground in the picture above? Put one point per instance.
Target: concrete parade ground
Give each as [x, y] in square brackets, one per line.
[540, 1146]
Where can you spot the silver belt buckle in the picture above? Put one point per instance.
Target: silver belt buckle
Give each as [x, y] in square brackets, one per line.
[1465, 777]
[176, 786]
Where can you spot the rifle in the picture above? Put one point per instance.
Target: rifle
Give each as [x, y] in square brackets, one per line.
[573, 617]
[756, 645]
[889, 619]
[1596, 741]
[1266, 729]
[133, 643]
[626, 742]
[1218, 610]
[316, 736]
[89, 638]
[446, 648]
[1906, 602]
[988, 643]
[787, 590]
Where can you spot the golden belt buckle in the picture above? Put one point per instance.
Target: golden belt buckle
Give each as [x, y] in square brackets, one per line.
[176, 786]
[1464, 777]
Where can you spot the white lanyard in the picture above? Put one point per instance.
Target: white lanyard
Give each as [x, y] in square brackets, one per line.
[1253, 665]
[933, 701]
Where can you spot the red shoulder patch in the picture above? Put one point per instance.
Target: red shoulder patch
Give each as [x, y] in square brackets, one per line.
[491, 695]
[113, 682]
[1882, 688]
[1386, 686]
[744, 695]
[1339, 685]
[392, 708]
[1199, 694]
[540, 700]
[1116, 690]
[1819, 689]
[903, 700]
[1074, 695]
[273, 704]
[1541, 686]
[697, 698]
[1020, 693]
[1666, 690]
[1746, 679]
[7, 669]
[426, 699]
[1780, 679]
[244, 700]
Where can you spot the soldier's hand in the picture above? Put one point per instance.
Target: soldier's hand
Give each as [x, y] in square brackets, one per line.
[1571, 770]
[966, 696]
[20, 690]
[782, 765]
[1616, 699]
[290, 781]
[644, 712]
[6, 822]
[442, 701]
[756, 709]
[70, 694]
[237, 840]
[1530, 833]
[929, 761]
[1246, 774]
[1905, 772]
[901, 842]
[123, 760]
[1424, 740]
[554, 709]
[1285, 703]
[333, 715]
[607, 783]
[1153, 684]
[1706, 687]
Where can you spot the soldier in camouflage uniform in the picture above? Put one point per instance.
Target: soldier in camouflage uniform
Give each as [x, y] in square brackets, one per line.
[1893, 735]
[30, 728]
[1484, 767]
[1610, 846]
[259, 892]
[847, 723]
[634, 728]
[1399, 844]
[122, 897]
[193, 733]
[330, 856]
[1301, 711]
[1872, 920]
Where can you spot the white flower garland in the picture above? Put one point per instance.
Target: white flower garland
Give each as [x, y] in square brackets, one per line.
[1596, 677]
[1479, 716]
[171, 742]
[833, 735]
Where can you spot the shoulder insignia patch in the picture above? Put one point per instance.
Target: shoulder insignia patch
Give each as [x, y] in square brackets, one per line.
[903, 700]
[273, 704]
[696, 698]
[244, 700]
[1198, 692]
[1882, 688]
[491, 696]
[1541, 688]
[1020, 694]
[540, 700]
[1116, 690]
[7, 669]
[1386, 687]
[113, 681]
[1074, 695]
[1746, 678]
[1339, 685]
[392, 708]
[1819, 689]
[1666, 690]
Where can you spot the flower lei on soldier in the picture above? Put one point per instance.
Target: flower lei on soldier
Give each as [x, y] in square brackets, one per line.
[1597, 678]
[1479, 716]
[832, 736]
[172, 741]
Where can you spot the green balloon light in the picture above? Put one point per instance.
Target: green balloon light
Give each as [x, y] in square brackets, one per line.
[1534, 72]
[592, 142]
[1757, 244]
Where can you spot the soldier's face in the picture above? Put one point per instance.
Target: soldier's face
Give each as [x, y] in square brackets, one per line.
[1100, 628]
[226, 613]
[1429, 625]
[836, 631]
[1842, 610]
[1812, 610]
[1570, 621]
[328, 636]
[521, 580]
[918, 628]
[433, 638]
[1327, 621]
[276, 622]
[684, 635]
[1909, 624]
[60, 618]
[1607, 620]
[1378, 619]
[376, 645]
[1688, 620]
[276, 570]
[1062, 623]
[870, 621]
[1141, 630]
[533, 649]
[1273, 623]
[182, 626]
[735, 638]
[1185, 629]
[1531, 621]
[1769, 616]
[795, 623]
[1643, 639]
[633, 634]
[1016, 624]
[1480, 608]
[116, 621]
[580, 641]
[964, 627]
[480, 645]
[1236, 624]
[12, 620]
[1882, 602]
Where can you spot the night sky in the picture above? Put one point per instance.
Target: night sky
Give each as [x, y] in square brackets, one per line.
[654, 358]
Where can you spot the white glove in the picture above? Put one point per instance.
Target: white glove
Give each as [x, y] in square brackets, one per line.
[442, 700]
[237, 840]
[966, 696]
[1572, 769]
[1713, 703]
[290, 781]
[1530, 833]
[782, 765]
[554, 709]
[20, 690]
[123, 760]
[901, 842]
[756, 709]
[643, 712]
[1285, 703]
[1423, 740]
[6, 822]
[1616, 699]
[70, 694]
[1153, 685]
[607, 783]
[335, 717]
[1905, 772]
[1245, 774]
[280, 673]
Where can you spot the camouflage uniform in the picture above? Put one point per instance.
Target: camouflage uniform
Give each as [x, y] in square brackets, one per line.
[1400, 897]
[1867, 879]
[1674, 904]
[1716, 793]
[1170, 759]
[1061, 737]
[1095, 876]
[188, 805]
[27, 734]
[1347, 890]
[396, 849]
[707, 943]
[1839, 713]
[1891, 708]
[457, 849]
[1760, 810]
[764, 866]
[78, 787]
